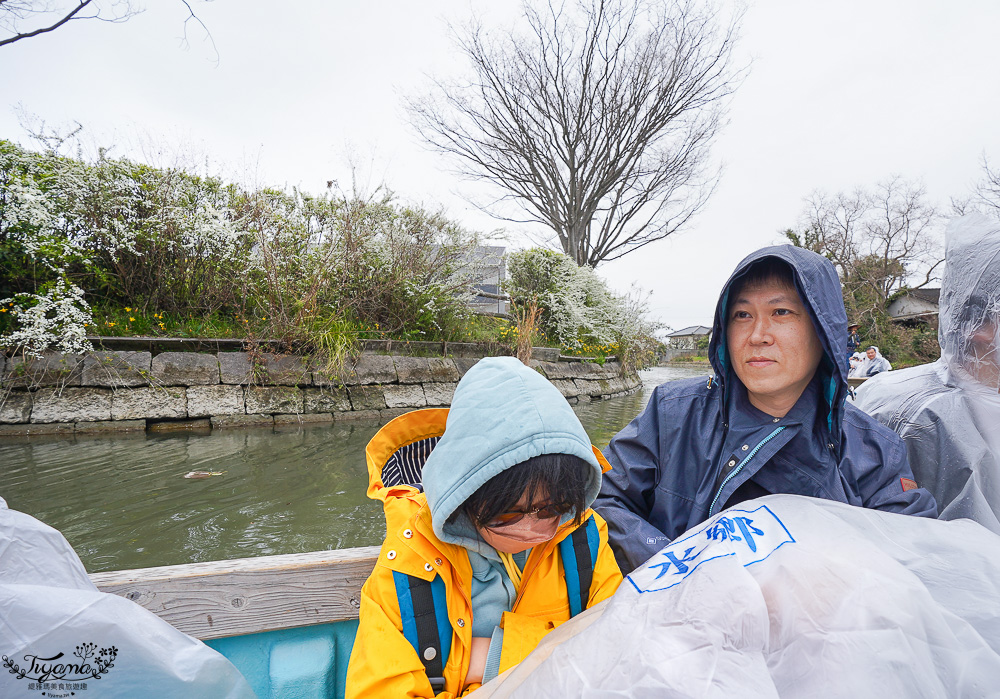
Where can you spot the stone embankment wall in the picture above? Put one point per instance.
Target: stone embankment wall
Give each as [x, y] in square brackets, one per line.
[139, 390]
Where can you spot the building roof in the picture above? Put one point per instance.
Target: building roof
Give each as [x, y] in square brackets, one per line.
[690, 331]
[929, 295]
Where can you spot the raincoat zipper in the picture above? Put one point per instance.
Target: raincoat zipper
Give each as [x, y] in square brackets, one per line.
[740, 467]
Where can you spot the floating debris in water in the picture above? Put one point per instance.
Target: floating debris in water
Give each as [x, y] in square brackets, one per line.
[203, 474]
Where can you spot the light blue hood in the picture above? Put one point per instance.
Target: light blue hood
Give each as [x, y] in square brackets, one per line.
[503, 413]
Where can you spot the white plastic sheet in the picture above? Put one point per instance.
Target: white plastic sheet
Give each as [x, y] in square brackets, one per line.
[62, 637]
[787, 596]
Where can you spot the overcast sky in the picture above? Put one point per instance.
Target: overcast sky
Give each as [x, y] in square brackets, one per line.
[840, 95]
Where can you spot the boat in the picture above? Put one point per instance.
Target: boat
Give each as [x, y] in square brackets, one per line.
[287, 622]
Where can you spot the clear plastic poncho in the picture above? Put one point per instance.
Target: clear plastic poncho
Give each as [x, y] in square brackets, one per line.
[948, 412]
[61, 637]
[788, 596]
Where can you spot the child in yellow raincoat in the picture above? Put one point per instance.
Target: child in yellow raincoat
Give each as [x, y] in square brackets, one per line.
[499, 548]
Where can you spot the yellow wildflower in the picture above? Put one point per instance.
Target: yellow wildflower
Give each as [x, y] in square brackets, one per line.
[131, 320]
[127, 309]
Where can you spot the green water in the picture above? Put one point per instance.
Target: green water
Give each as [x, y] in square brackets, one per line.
[122, 501]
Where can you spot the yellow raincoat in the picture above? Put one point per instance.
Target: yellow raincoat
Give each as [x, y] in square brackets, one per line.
[383, 663]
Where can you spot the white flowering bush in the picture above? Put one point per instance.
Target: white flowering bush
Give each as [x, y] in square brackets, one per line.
[55, 318]
[153, 245]
[579, 311]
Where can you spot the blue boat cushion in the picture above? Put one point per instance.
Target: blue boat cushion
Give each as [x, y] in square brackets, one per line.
[406, 465]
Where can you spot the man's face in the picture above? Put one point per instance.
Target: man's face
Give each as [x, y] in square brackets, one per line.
[870, 353]
[984, 354]
[773, 346]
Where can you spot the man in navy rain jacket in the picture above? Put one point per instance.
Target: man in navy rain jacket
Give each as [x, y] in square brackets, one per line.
[773, 419]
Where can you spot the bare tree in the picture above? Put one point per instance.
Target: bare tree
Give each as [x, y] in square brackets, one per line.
[597, 122]
[986, 196]
[24, 19]
[881, 241]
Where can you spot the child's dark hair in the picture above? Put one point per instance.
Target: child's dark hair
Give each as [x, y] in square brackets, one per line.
[560, 479]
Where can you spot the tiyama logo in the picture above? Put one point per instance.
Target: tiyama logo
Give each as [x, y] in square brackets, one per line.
[61, 676]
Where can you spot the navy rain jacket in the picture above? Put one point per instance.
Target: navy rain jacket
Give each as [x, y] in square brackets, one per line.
[699, 440]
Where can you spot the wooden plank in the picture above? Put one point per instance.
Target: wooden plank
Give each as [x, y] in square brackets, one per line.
[249, 595]
[855, 381]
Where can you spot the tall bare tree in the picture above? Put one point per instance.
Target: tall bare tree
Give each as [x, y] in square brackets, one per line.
[24, 19]
[881, 240]
[597, 121]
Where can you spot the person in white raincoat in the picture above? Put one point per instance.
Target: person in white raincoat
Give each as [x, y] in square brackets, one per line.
[948, 412]
[60, 634]
[872, 362]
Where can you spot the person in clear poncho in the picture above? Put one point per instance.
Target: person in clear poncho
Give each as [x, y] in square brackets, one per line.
[872, 362]
[948, 412]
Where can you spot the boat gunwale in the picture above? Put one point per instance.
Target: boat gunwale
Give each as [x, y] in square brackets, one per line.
[234, 597]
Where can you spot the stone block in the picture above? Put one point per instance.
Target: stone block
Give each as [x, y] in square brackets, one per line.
[545, 354]
[591, 388]
[284, 370]
[361, 370]
[30, 430]
[202, 423]
[185, 369]
[227, 421]
[71, 405]
[426, 369]
[438, 393]
[204, 401]
[302, 419]
[326, 400]
[404, 396]
[463, 364]
[148, 402]
[612, 370]
[593, 370]
[53, 369]
[235, 368]
[274, 399]
[614, 385]
[559, 370]
[354, 415]
[112, 369]
[15, 406]
[566, 387]
[102, 426]
[392, 413]
[366, 398]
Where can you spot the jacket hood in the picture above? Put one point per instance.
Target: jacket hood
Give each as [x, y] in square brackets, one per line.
[818, 285]
[503, 413]
[970, 298]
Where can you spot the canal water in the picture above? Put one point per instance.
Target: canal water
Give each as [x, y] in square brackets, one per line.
[122, 501]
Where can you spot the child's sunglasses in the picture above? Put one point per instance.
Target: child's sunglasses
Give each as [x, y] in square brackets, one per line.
[515, 516]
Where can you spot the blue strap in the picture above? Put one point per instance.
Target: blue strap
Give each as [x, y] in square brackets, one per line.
[402, 582]
[579, 552]
[441, 615]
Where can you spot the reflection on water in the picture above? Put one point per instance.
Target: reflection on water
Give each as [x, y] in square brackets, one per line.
[122, 501]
